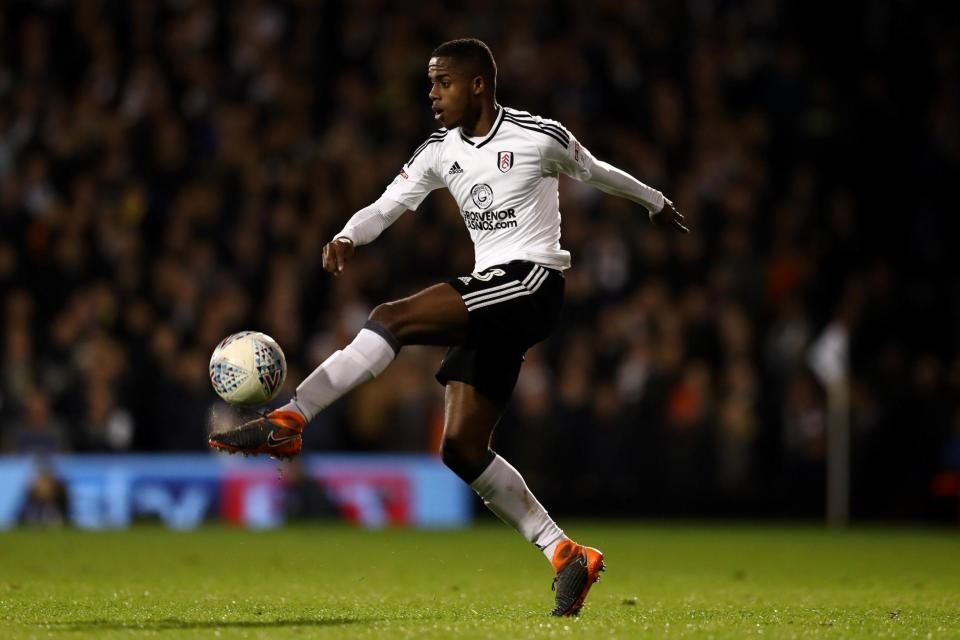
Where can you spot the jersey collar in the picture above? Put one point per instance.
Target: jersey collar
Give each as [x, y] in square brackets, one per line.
[489, 136]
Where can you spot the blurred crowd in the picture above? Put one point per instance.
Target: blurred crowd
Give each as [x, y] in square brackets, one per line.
[170, 170]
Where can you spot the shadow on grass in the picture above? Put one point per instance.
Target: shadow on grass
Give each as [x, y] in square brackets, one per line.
[171, 624]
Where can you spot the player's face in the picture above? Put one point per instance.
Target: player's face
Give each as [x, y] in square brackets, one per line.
[453, 94]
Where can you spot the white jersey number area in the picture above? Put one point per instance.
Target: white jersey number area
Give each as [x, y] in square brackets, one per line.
[505, 184]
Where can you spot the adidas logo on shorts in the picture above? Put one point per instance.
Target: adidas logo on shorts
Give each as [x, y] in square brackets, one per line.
[455, 169]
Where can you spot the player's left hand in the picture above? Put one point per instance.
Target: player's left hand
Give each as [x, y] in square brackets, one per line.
[669, 217]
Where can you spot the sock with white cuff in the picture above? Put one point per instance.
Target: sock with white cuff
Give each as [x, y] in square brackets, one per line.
[506, 494]
[371, 351]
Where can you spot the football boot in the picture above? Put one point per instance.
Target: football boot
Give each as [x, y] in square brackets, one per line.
[577, 568]
[278, 434]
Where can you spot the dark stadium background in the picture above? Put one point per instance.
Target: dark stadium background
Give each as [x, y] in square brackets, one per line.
[169, 172]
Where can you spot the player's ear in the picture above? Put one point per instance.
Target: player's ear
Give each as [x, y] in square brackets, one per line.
[478, 85]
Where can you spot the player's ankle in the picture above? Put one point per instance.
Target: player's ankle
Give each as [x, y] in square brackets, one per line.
[293, 407]
[550, 550]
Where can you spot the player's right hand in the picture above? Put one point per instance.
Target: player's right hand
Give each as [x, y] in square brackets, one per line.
[336, 253]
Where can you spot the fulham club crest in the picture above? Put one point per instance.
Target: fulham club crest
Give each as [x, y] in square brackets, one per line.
[505, 161]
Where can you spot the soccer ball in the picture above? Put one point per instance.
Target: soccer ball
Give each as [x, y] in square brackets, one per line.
[248, 368]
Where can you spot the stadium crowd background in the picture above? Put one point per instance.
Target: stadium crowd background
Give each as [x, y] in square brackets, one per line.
[169, 172]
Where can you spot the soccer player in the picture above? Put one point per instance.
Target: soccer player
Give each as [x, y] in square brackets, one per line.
[502, 167]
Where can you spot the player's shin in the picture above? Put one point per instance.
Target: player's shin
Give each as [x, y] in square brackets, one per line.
[504, 491]
[371, 351]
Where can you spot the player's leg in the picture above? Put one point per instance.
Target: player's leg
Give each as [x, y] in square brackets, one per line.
[469, 421]
[436, 315]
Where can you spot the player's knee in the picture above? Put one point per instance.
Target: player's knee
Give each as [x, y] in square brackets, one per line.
[392, 317]
[449, 451]
[464, 457]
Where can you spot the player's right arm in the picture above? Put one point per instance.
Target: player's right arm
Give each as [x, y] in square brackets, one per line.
[416, 179]
[362, 228]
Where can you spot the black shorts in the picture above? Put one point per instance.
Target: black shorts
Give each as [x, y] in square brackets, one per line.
[512, 307]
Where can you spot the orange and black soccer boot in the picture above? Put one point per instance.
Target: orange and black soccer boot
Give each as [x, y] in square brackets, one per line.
[277, 434]
[578, 567]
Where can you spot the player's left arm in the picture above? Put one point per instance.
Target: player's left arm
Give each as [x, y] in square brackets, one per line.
[609, 179]
[577, 162]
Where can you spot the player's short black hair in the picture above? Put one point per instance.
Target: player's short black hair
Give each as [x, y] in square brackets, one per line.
[474, 52]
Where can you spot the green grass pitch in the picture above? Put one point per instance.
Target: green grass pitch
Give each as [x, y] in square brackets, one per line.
[663, 581]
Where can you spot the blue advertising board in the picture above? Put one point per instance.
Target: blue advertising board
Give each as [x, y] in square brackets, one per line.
[184, 490]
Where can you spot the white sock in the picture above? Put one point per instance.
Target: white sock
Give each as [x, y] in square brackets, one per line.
[363, 359]
[506, 494]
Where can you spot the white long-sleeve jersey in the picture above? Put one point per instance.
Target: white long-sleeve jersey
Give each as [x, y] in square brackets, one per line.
[506, 185]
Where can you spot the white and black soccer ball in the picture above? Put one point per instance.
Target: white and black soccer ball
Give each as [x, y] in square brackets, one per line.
[248, 368]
